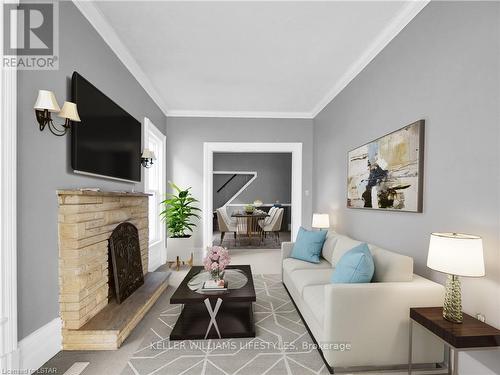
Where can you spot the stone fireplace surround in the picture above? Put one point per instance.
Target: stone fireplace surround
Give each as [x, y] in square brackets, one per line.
[86, 220]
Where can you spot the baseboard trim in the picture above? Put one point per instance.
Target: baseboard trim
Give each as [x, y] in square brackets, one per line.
[40, 346]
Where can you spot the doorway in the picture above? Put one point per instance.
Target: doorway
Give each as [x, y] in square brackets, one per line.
[210, 148]
[251, 199]
[155, 184]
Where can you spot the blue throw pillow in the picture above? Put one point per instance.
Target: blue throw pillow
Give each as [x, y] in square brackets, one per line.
[308, 245]
[355, 266]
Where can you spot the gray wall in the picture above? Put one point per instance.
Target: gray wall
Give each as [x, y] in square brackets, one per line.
[185, 138]
[444, 68]
[44, 160]
[273, 182]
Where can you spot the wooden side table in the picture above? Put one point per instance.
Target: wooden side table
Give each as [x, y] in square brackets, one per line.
[472, 334]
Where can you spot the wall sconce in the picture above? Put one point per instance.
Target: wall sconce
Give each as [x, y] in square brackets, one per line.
[46, 103]
[147, 158]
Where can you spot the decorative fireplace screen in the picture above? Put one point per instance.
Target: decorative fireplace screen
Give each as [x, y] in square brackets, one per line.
[125, 261]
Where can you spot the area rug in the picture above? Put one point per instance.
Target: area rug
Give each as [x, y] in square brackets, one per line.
[282, 344]
[269, 242]
[245, 243]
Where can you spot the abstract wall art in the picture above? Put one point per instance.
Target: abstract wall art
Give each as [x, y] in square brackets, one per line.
[387, 173]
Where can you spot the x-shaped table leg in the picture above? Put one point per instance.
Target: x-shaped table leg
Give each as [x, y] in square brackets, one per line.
[213, 314]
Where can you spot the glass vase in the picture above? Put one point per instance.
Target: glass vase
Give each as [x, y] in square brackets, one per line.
[215, 275]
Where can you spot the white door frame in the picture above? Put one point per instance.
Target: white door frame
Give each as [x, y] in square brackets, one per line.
[8, 219]
[150, 127]
[209, 148]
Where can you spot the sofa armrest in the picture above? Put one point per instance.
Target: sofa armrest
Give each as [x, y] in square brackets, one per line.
[286, 250]
[374, 319]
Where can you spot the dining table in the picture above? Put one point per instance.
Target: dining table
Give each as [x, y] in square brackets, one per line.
[248, 223]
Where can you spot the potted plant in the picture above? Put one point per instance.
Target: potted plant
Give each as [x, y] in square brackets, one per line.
[179, 213]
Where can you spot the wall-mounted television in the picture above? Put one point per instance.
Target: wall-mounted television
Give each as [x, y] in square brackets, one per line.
[107, 141]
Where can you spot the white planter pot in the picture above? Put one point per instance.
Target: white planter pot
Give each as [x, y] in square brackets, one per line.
[179, 247]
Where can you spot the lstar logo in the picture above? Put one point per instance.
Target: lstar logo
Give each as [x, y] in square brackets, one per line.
[30, 36]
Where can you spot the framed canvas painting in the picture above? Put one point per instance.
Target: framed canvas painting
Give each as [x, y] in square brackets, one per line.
[387, 173]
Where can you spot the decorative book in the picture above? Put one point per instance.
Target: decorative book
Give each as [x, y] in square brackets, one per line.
[211, 285]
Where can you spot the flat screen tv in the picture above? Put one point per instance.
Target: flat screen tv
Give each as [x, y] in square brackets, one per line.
[107, 141]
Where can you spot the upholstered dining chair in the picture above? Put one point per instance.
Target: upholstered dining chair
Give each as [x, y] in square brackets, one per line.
[271, 213]
[225, 223]
[274, 225]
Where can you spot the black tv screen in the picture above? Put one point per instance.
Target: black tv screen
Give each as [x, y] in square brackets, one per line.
[107, 141]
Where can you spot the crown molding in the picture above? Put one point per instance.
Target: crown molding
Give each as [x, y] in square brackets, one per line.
[101, 25]
[241, 114]
[108, 33]
[397, 24]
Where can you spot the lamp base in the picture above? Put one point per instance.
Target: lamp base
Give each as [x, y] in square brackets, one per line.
[452, 309]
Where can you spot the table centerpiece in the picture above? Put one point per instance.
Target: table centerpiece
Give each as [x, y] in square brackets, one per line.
[215, 262]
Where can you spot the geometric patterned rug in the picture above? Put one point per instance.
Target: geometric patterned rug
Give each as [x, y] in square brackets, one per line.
[282, 344]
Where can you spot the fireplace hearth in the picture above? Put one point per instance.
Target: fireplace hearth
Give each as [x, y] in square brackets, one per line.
[125, 266]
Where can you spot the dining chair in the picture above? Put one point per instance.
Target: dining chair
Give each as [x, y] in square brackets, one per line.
[268, 220]
[225, 223]
[271, 213]
[275, 224]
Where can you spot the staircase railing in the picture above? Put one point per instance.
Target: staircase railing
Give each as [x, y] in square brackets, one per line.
[226, 183]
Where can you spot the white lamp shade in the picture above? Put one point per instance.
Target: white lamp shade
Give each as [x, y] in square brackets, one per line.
[69, 111]
[456, 254]
[148, 154]
[321, 221]
[46, 100]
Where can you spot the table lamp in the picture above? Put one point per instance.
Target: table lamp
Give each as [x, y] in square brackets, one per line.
[321, 221]
[455, 254]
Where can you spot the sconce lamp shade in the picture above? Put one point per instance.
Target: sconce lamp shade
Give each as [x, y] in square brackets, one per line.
[69, 111]
[321, 221]
[456, 254]
[148, 154]
[46, 100]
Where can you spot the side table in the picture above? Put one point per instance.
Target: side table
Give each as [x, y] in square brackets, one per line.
[472, 334]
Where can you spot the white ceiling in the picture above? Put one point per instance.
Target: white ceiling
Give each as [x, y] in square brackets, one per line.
[247, 59]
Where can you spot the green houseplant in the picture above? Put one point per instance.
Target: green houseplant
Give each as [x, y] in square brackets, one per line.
[179, 213]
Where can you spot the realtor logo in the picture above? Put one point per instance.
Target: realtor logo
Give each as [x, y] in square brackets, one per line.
[31, 36]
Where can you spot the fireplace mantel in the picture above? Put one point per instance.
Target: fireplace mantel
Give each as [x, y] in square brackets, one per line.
[102, 193]
[86, 220]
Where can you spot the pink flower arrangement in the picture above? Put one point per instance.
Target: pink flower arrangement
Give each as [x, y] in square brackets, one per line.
[217, 260]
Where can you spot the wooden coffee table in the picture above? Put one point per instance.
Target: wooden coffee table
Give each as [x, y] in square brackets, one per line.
[214, 315]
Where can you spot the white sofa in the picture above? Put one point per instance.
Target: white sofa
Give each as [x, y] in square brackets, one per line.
[372, 318]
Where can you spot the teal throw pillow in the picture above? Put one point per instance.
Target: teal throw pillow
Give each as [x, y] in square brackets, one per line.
[355, 266]
[308, 245]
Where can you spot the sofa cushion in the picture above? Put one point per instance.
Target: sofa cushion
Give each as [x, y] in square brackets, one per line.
[355, 266]
[308, 245]
[390, 266]
[291, 264]
[342, 245]
[314, 297]
[303, 278]
[328, 246]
